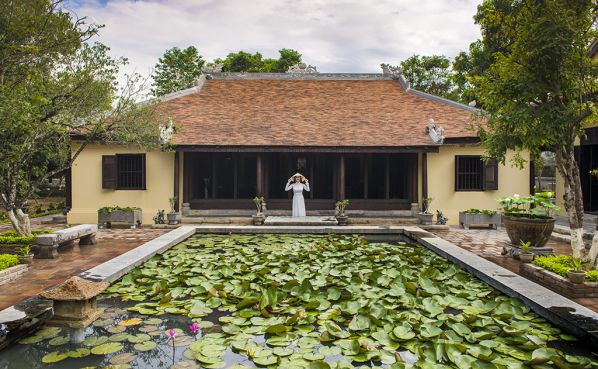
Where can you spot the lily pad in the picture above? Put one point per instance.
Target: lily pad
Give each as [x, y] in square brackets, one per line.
[145, 346]
[107, 348]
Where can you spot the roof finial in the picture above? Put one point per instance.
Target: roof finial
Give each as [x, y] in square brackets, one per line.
[212, 68]
[396, 72]
[436, 134]
[302, 68]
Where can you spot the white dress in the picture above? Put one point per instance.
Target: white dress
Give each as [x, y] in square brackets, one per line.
[298, 202]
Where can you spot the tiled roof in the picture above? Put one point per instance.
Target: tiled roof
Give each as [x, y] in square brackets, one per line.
[315, 111]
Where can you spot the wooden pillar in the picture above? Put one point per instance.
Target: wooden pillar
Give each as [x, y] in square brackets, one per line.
[260, 175]
[341, 178]
[176, 180]
[424, 175]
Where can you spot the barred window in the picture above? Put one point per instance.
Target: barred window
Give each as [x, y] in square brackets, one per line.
[123, 171]
[473, 174]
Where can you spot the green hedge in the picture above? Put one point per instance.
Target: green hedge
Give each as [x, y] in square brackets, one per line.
[11, 237]
[561, 264]
[8, 260]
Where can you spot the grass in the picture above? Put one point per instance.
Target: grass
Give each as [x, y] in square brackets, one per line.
[8, 260]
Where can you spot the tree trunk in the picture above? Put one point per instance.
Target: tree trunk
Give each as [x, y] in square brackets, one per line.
[20, 222]
[573, 198]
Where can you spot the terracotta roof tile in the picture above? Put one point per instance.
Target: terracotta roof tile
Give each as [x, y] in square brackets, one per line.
[323, 113]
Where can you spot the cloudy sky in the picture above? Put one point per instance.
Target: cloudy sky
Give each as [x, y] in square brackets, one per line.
[334, 35]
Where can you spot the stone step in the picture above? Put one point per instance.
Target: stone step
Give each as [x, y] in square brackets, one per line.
[249, 212]
[247, 220]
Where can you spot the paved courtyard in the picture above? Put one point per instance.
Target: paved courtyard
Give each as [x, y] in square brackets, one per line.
[488, 243]
[45, 273]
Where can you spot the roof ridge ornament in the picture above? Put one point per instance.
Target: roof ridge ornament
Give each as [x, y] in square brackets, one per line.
[212, 68]
[396, 72]
[435, 133]
[302, 68]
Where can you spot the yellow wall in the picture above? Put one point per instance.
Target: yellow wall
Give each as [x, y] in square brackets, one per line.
[88, 195]
[441, 183]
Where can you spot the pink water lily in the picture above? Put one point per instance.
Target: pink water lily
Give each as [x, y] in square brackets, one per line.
[194, 328]
[172, 333]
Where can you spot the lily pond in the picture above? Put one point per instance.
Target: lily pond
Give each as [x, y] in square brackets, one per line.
[302, 301]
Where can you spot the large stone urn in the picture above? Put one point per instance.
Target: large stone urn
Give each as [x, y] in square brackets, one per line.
[533, 230]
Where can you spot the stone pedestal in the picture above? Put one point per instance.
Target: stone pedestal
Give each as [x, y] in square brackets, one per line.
[186, 209]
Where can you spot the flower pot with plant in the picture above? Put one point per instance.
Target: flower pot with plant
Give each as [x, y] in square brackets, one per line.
[526, 256]
[173, 216]
[529, 218]
[576, 274]
[426, 216]
[259, 217]
[341, 217]
[25, 256]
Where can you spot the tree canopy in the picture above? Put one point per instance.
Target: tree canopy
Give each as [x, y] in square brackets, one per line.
[54, 84]
[176, 70]
[243, 61]
[540, 88]
[431, 74]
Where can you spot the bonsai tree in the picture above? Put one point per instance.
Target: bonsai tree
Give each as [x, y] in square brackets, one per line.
[172, 202]
[426, 202]
[341, 205]
[259, 202]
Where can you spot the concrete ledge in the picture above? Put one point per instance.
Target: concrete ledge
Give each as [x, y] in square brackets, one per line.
[113, 269]
[23, 319]
[363, 229]
[12, 273]
[560, 311]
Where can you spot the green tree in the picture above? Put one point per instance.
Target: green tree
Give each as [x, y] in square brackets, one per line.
[243, 61]
[431, 74]
[57, 94]
[540, 92]
[176, 70]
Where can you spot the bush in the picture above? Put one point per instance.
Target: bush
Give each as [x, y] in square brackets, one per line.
[11, 237]
[478, 211]
[8, 260]
[561, 264]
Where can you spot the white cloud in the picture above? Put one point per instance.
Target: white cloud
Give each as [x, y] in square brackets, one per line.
[334, 35]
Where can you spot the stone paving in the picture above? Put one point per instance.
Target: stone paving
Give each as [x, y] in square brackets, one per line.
[488, 243]
[45, 273]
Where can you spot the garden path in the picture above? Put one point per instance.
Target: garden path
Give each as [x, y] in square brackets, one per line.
[488, 243]
[45, 273]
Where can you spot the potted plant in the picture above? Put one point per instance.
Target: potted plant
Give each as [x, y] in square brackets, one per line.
[525, 255]
[576, 275]
[477, 217]
[259, 217]
[529, 218]
[109, 214]
[340, 215]
[26, 256]
[426, 216]
[173, 216]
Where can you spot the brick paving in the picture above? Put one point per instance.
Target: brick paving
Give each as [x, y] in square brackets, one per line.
[488, 243]
[45, 273]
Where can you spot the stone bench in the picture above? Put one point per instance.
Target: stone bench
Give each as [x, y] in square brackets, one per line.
[45, 246]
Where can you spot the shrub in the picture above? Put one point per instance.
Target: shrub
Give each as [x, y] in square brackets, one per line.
[592, 275]
[8, 260]
[110, 209]
[561, 264]
[478, 211]
[11, 237]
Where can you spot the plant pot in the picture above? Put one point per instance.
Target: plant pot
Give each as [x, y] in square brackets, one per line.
[173, 218]
[577, 277]
[536, 231]
[258, 219]
[342, 220]
[527, 257]
[26, 259]
[425, 218]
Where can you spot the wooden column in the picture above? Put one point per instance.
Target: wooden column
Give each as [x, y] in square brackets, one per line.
[424, 175]
[176, 180]
[260, 175]
[341, 178]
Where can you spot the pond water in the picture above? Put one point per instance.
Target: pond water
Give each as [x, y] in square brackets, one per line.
[302, 301]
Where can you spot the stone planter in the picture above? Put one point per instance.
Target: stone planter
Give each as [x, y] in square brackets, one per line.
[131, 217]
[576, 277]
[527, 257]
[425, 218]
[258, 219]
[467, 219]
[536, 231]
[173, 218]
[342, 220]
[26, 259]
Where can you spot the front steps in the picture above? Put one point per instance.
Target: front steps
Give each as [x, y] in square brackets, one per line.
[356, 217]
